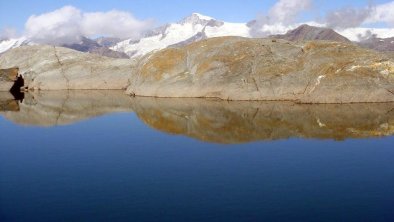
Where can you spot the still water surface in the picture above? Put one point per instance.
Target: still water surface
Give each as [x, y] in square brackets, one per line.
[102, 156]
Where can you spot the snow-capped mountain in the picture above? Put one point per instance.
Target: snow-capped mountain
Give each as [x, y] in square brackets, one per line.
[198, 27]
[7, 44]
[85, 45]
[193, 28]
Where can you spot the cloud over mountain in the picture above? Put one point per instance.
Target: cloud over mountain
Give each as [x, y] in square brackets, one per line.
[67, 24]
[382, 13]
[283, 13]
[348, 17]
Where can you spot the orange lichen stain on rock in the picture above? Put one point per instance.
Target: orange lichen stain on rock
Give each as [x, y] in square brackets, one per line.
[10, 74]
[163, 62]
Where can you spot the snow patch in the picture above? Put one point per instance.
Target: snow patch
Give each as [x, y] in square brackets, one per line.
[8, 44]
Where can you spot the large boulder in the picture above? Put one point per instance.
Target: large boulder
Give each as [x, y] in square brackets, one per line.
[8, 77]
[57, 68]
[234, 68]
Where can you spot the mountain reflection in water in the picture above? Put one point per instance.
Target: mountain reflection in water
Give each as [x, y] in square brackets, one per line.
[207, 120]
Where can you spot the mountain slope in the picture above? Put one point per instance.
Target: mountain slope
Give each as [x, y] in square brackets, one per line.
[379, 44]
[91, 46]
[7, 44]
[193, 28]
[306, 32]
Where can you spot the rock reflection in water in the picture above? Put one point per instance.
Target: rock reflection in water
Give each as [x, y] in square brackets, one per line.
[207, 120]
[8, 102]
[52, 108]
[241, 122]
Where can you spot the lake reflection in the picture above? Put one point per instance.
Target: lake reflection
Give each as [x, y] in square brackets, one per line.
[207, 120]
[105, 156]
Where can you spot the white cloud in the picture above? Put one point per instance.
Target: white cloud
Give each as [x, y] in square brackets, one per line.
[348, 17]
[382, 13]
[114, 24]
[67, 24]
[287, 11]
[283, 14]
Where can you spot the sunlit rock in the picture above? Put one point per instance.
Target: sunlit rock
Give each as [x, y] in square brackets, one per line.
[233, 68]
[57, 68]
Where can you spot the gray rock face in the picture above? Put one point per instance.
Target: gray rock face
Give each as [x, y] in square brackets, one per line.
[107, 41]
[94, 47]
[306, 32]
[232, 68]
[57, 68]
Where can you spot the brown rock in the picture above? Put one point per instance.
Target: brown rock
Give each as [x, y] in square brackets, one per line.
[233, 68]
[8, 78]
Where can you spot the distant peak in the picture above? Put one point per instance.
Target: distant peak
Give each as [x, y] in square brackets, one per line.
[196, 18]
[203, 17]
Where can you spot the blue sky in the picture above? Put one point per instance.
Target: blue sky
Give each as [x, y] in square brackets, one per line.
[15, 13]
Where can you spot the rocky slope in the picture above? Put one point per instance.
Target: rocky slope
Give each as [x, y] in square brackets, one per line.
[233, 68]
[91, 46]
[379, 44]
[57, 68]
[107, 41]
[306, 32]
[228, 68]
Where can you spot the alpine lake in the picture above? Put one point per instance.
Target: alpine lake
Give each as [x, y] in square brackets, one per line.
[106, 156]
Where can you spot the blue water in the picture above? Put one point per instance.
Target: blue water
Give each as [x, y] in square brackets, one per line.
[116, 168]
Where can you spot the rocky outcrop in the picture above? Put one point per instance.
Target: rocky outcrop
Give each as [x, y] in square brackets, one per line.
[228, 68]
[8, 77]
[307, 33]
[233, 68]
[57, 68]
